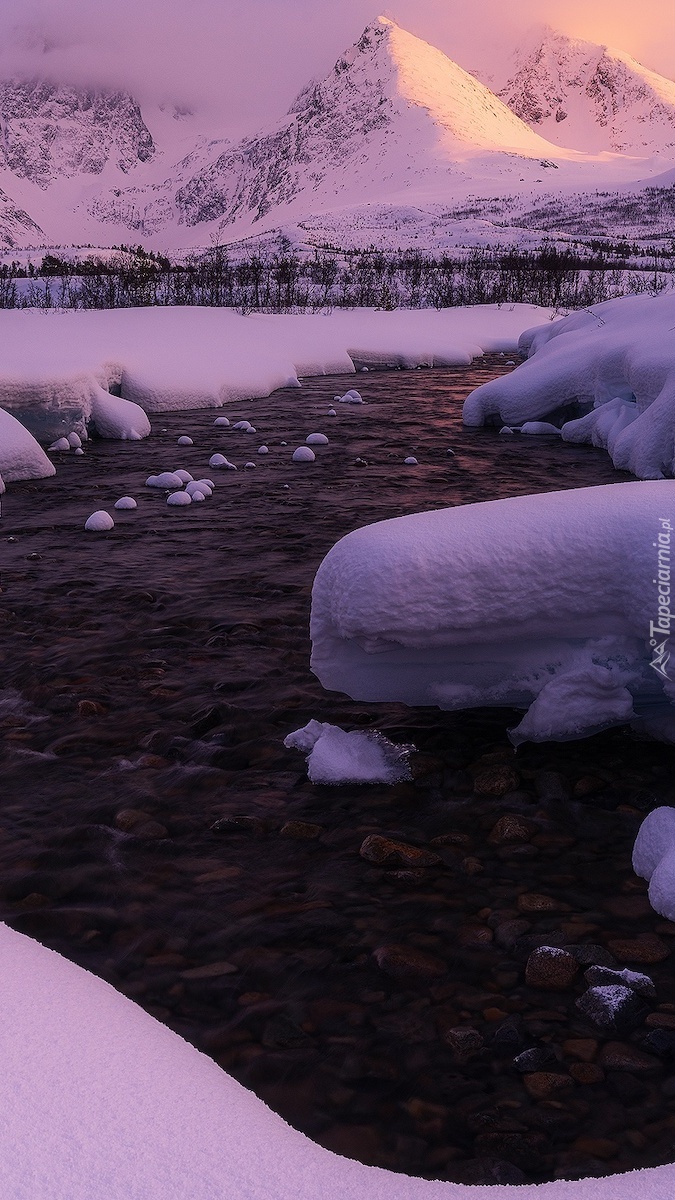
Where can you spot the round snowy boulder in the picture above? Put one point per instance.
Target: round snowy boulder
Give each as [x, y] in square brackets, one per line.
[244, 425]
[168, 479]
[184, 476]
[126, 502]
[179, 499]
[249, 466]
[197, 496]
[411, 461]
[74, 440]
[184, 440]
[331, 412]
[316, 439]
[21, 457]
[304, 454]
[222, 421]
[99, 522]
[263, 449]
[199, 486]
[61, 444]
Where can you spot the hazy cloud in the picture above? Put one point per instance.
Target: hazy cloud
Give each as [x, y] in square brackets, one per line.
[241, 62]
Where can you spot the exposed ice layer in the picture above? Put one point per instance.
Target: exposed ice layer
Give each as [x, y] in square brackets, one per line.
[100, 1100]
[21, 457]
[58, 369]
[618, 359]
[654, 859]
[539, 602]
[335, 756]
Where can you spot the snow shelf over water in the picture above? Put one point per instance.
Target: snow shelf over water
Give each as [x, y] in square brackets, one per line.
[100, 1100]
[541, 602]
[619, 357]
[58, 368]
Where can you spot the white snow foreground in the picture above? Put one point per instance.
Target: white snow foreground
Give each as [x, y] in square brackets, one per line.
[335, 756]
[21, 457]
[99, 1099]
[59, 368]
[619, 358]
[654, 859]
[544, 602]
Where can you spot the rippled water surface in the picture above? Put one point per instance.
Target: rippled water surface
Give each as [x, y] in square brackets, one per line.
[149, 677]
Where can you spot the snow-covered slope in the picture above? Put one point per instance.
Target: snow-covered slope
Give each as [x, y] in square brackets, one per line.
[394, 114]
[593, 97]
[16, 227]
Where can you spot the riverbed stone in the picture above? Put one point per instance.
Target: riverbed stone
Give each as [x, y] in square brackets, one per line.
[551, 968]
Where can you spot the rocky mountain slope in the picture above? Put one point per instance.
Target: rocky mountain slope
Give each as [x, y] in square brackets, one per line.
[577, 93]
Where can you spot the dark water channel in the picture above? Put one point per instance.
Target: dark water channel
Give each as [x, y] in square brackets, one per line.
[149, 677]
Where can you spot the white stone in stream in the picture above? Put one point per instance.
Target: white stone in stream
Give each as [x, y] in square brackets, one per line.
[263, 449]
[316, 439]
[411, 461]
[60, 444]
[126, 502]
[249, 466]
[184, 476]
[79, 451]
[303, 454]
[99, 522]
[184, 440]
[74, 440]
[179, 499]
[331, 412]
[222, 421]
[168, 479]
[199, 486]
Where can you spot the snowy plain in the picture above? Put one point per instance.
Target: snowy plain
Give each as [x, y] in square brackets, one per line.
[100, 1100]
[60, 369]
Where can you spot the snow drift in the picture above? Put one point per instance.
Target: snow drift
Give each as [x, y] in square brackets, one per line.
[616, 359]
[544, 602]
[20, 455]
[99, 1099]
[65, 371]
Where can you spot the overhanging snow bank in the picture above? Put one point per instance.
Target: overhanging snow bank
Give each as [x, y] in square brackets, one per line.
[55, 364]
[100, 1100]
[619, 357]
[539, 602]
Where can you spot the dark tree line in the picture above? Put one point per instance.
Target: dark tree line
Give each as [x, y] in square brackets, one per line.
[284, 281]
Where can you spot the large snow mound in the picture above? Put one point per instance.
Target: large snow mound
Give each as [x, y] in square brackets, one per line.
[100, 1100]
[618, 360]
[59, 368]
[547, 602]
[654, 859]
[20, 455]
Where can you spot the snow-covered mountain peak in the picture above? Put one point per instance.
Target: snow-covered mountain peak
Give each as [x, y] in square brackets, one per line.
[51, 130]
[591, 96]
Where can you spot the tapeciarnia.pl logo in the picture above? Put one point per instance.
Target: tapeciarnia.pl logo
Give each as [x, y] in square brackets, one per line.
[659, 630]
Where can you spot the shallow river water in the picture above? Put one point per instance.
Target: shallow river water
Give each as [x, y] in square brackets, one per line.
[149, 677]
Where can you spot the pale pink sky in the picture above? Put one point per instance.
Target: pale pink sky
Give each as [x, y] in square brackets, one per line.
[243, 61]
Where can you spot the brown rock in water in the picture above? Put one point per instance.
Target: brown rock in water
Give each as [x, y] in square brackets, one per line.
[551, 968]
[542, 1084]
[647, 948]
[387, 852]
[90, 708]
[301, 830]
[536, 902]
[602, 1148]
[464, 1041]
[583, 1048]
[587, 1073]
[210, 971]
[496, 780]
[407, 962]
[511, 828]
[622, 1056]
